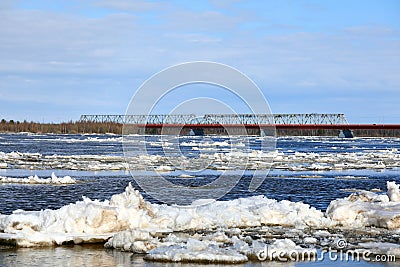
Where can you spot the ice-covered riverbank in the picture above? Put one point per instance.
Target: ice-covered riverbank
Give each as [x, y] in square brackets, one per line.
[217, 231]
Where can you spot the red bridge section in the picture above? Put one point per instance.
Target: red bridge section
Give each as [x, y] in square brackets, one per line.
[277, 126]
[312, 121]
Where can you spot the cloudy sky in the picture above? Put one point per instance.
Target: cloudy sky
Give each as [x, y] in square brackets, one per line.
[60, 59]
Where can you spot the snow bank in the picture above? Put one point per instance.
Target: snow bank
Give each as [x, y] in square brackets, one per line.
[36, 180]
[365, 208]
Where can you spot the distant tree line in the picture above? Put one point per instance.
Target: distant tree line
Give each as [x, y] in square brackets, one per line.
[77, 127]
[60, 128]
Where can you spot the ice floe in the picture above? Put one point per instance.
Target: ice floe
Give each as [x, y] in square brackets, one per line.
[215, 156]
[366, 208]
[163, 168]
[217, 232]
[393, 191]
[129, 211]
[84, 221]
[196, 251]
[36, 180]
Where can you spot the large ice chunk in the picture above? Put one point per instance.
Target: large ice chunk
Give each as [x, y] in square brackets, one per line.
[365, 208]
[84, 221]
[393, 191]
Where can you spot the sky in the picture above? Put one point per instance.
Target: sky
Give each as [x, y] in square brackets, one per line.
[60, 59]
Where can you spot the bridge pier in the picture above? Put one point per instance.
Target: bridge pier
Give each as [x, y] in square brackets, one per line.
[196, 131]
[346, 133]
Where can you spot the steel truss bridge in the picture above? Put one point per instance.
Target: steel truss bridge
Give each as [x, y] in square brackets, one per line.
[221, 119]
[280, 121]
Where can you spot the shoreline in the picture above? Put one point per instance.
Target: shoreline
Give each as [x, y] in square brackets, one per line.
[116, 128]
[70, 127]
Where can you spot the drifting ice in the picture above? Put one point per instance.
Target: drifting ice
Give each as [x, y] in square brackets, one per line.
[366, 208]
[241, 159]
[36, 180]
[128, 222]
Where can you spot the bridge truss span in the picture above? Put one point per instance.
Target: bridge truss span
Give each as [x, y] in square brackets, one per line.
[220, 119]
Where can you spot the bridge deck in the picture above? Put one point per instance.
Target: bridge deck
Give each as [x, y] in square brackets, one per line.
[277, 126]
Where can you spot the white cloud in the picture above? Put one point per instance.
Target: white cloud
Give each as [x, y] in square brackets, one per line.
[206, 21]
[52, 52]
[132, 5]
[193, 38]
[224, 3]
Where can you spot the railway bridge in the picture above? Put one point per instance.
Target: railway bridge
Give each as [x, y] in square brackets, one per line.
[220, 123]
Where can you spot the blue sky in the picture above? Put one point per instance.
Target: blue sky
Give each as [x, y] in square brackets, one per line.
[60, 59]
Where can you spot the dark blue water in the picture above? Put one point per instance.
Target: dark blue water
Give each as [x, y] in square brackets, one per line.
[61, 144]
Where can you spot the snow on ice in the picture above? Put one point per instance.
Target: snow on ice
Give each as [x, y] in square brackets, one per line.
[193, 234]
[254, 159]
